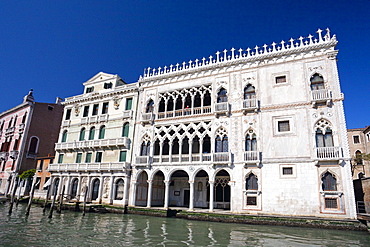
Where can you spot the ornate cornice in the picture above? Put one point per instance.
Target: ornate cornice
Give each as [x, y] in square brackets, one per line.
[252, 57]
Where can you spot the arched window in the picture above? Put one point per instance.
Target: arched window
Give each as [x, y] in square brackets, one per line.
[195, 145]
[317, 82]
[170, 104]
[185, 146]
[207, 99]
[222, 96]
[249, 92]
[64, 136]
[178, 104]
[166, 147]
[74, 188]
[120, 187]
[251, 182]
[157, 148]
[145, 149]
[125, 130]
[206, 144]
[102, 132]
[251, 142]
[92, 133]
[162, 105]
[33, 145]
[95, 189]
[82, 134]
[358, 158]
[197, 100]
[324, 136]
[188, 101]
[329, 183]
[175, 146]
[150, 106]
[222, 144]
[324, 139]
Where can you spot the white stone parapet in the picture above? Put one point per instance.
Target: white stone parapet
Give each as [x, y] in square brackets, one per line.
[241, 55]
[83, 167]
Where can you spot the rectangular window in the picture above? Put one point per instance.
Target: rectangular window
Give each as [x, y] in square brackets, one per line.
[283, 126]
[79, 158]
[251, 201]
[356, 139]
[287, 170]
[95, 109]
[122, 156]
[98, 157]
[88, 158]
[331, 203]
[41, 164]
[89, 89]
[86, 111]
[128, 104]
[108, 85]
[60, 158]
[104, 110]
[280, 79]
[68, 114]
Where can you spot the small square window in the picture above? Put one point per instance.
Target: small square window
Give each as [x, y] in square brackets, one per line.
[287, 170]
[356, 139]
[89, 89]
[251, 201]
[283, 126]
[331, 203]
[280, 79]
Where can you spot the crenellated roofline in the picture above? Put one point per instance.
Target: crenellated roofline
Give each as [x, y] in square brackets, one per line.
[234, 56]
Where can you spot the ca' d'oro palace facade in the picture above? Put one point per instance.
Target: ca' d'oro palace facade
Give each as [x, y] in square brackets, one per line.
[249, 131]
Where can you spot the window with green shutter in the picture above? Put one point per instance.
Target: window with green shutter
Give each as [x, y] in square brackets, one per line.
[128, 104]
[88, 158]
[122, 156]
[79, 158]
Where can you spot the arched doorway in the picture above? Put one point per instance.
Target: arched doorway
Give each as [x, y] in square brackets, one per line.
[141, 189]
[158, 188]
[119, 189]
[74, 186]
[222, 192]
[201, 197]
[179, 192]
[95, 189]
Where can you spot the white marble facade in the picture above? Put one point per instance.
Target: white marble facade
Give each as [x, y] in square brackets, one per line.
[255, 131]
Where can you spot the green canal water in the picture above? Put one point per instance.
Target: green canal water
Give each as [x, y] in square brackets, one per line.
[73, 229]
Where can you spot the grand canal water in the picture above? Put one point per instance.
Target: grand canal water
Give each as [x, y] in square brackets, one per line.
[74, 229]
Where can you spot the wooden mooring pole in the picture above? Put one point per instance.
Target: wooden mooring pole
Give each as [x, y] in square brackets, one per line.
[15, 185]
[46, 199]
[52, 204]
[85, 197]
[59, 210]
[31, 196]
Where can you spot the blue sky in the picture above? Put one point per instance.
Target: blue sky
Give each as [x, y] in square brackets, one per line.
[55, 46]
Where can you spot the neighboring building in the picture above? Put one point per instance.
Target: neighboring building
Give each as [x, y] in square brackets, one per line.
[359, 143]
[27, 131]
[94, 147]
[256, 131]
[42, 176]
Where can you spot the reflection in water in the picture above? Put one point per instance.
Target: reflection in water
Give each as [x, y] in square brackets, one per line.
[73, 229]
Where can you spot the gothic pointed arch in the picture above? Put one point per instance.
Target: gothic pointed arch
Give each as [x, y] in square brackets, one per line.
[324, 135]
[317, 82]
